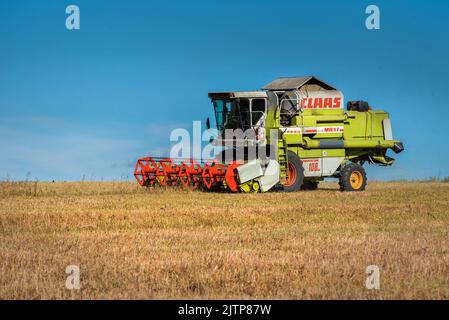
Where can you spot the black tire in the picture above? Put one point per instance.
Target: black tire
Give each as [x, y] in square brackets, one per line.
[352, 177]
[296, 163]
[310, 185]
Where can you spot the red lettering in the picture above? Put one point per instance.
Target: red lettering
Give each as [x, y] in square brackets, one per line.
[313, 167]
[327, 102]
[337, 102]
[318, 103]
[309, 103]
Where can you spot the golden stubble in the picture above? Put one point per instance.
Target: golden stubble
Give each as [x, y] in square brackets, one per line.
[132, 243]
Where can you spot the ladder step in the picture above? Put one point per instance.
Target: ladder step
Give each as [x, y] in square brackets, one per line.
[283, 159]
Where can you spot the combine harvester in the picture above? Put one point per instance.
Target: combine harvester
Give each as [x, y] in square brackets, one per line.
[314, 138]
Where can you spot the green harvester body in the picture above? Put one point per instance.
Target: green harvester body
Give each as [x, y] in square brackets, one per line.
[311, 123]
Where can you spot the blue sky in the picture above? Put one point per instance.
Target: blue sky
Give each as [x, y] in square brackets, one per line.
[90, 102]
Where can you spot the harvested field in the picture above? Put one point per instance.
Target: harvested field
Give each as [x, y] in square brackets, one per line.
[133, 243]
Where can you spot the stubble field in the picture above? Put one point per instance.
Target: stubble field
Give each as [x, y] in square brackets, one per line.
[130, 243]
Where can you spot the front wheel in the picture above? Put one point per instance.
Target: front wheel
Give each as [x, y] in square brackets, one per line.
[352, 177]
[295, 174]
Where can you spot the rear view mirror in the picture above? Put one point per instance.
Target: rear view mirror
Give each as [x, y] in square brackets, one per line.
[208, 123]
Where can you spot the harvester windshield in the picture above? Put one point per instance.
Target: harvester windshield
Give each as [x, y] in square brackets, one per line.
[240, 113]
[230, 114]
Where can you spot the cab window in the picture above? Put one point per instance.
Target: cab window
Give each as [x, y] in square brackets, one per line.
[258, 109]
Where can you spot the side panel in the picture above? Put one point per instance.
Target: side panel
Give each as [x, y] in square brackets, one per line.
[249, 171]
[312, 167]
[321, 167]
[270, 177]
[388, 133]
[330, 165]
[356, 127]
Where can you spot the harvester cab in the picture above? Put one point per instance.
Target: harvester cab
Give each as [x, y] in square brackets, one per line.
[240, 111]
[314, 138]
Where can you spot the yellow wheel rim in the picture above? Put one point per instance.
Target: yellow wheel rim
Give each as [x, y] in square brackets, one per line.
[256, 187]
[356, 180]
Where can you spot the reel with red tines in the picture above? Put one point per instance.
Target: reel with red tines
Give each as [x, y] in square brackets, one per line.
[168, 172]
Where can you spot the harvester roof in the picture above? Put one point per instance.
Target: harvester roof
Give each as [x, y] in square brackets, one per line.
[294, 83]
[237, 94]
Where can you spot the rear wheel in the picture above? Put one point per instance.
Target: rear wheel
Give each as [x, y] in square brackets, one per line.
[295, 174]
[352, 177]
